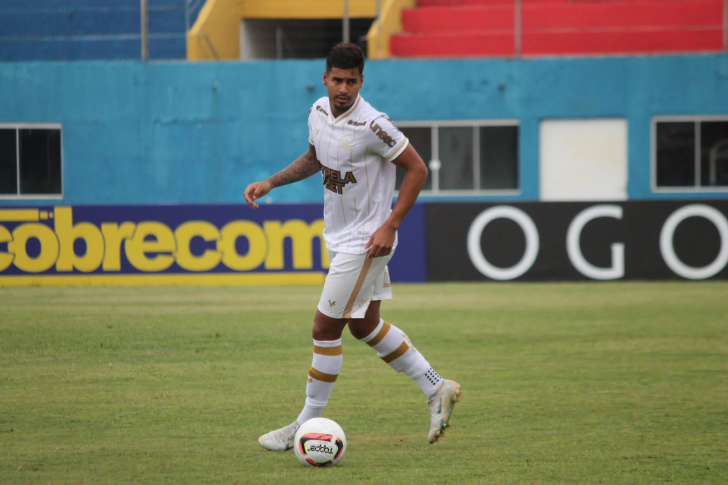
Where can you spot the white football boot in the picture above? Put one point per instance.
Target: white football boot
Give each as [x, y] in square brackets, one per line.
[280, 439]
[441, 406]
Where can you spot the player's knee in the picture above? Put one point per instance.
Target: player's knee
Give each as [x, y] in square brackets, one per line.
[324, 334]
[356, 330]
[326, 328]
[360, 328]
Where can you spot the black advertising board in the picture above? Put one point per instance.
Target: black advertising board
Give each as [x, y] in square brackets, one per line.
[577, 241]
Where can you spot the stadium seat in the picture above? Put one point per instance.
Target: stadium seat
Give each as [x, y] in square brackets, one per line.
[89, 29]
[462, 28]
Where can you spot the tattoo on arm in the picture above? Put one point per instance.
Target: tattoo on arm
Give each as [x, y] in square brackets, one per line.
[302, 168]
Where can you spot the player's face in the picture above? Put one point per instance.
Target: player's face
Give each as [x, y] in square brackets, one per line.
[343, 86]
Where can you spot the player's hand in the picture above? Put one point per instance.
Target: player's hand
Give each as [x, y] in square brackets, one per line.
[381, 242]
[256, 191]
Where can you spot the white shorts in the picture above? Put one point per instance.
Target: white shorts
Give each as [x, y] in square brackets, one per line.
[354, 280]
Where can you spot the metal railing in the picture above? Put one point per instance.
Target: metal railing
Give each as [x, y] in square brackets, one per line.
[192, 7]
[517, 28]
[725, 25]
[345, 37]
[144, 7]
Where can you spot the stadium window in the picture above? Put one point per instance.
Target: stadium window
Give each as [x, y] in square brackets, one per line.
[690, 153]
[465, 157]
[30, 161]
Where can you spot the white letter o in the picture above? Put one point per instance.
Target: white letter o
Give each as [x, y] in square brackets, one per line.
[476, 231]
[668, 251]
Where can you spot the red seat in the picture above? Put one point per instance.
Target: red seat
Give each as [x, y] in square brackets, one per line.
[465, 28]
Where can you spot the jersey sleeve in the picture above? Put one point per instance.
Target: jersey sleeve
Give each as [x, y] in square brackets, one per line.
[385, 139]
[310, 126]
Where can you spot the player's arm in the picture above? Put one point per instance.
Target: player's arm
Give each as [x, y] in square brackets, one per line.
[302, 168]
[381, 242]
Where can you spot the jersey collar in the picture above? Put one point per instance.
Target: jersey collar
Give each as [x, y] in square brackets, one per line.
[346, 113]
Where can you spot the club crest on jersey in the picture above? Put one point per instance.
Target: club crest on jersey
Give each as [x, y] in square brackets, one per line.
[347, 141]
[334, 181]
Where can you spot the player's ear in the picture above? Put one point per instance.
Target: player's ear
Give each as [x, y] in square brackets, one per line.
[326, 76]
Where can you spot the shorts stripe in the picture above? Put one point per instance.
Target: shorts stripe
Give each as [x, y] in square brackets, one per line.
[320, 376]
[380, 336]
[397, 353]
[327, 350]
[357, 287]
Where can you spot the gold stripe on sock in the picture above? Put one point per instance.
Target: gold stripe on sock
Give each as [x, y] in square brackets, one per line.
[397, 353]
[357, 287]
[327, 350]
[320, 376]
[380, 336]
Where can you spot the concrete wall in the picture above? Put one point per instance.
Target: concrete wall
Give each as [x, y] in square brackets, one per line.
[159, 133]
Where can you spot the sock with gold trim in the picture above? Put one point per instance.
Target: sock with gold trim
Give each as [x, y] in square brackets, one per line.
[325, 368]
[394, 347]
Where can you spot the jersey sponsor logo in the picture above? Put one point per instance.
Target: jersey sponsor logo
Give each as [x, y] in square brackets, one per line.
[356, 123]
[319, 108]
[390, 120]
[383, 135]
[333, 180]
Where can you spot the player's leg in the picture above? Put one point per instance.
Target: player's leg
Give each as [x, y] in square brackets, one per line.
[391, 343]
[325, 366]
[347, 274]
[322, 375]
[395, 348]
[346, 294]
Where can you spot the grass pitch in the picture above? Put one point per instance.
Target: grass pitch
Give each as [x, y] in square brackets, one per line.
[564, 383]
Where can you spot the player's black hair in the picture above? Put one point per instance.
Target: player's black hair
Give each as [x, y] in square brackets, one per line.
[345, 56]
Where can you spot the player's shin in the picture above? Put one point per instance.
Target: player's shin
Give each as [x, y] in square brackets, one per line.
[394, 347]
[325, 368]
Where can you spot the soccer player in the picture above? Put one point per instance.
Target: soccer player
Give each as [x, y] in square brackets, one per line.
[357, 149]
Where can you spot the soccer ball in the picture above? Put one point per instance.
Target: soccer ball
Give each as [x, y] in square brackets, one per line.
[320, 442]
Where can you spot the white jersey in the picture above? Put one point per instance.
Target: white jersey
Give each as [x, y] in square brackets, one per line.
[355, 151]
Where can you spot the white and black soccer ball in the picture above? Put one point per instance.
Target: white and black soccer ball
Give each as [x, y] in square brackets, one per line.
[320, 442]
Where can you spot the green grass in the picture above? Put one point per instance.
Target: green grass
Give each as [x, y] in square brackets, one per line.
[564, 383]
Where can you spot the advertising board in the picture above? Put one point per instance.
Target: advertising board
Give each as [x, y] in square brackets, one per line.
[564, 241]
[178, 244]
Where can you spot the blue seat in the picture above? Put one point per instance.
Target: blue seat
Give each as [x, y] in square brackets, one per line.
[89, 29]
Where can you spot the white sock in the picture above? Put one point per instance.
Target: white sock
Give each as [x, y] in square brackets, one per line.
[325, 368]
[394, 347]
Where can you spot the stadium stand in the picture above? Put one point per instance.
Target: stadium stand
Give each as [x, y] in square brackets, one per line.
[66, 30]
[110, 29]
[461, 28]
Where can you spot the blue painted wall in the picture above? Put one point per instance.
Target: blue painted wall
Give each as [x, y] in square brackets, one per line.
[170, 132]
